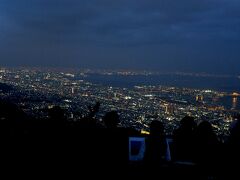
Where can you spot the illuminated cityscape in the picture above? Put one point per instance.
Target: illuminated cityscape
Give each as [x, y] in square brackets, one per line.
[35, 90]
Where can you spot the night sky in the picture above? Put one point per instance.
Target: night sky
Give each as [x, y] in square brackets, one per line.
[165, 35]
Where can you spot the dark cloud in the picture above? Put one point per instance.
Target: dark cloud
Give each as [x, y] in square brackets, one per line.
[189, 35]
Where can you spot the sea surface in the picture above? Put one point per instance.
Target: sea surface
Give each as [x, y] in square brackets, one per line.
[226, 84]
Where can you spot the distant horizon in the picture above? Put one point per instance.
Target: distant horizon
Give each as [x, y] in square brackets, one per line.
[125, 69]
